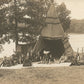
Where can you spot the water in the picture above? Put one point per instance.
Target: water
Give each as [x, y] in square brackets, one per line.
[76, 41]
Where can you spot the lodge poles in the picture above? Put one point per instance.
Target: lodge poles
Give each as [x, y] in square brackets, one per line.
[78, 56]
[82, 51]
[77, 50]
[16, 23]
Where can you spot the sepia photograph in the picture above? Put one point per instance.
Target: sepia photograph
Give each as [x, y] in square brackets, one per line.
[41, 41]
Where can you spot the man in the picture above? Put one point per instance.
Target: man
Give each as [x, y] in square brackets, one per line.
[46, 56]
[5, 63]
[27, 60]
[51, 60]
[62, 59]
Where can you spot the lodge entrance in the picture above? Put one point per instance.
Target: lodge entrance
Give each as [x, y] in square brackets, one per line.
[56, 47]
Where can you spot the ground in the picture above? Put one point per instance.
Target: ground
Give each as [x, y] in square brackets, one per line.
[56, 75]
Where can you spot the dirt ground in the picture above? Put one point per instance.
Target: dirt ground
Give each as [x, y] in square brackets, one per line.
[56, 75]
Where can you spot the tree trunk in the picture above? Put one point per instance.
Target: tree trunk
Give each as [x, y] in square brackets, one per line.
[16, 24]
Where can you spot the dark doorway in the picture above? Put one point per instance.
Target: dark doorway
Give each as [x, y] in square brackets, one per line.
[56, 47]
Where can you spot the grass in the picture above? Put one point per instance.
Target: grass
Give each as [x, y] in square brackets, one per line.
[58, 75]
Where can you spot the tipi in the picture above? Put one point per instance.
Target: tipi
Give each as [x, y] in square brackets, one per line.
[52, 36]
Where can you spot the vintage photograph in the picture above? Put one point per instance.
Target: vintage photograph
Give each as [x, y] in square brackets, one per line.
[41, 41]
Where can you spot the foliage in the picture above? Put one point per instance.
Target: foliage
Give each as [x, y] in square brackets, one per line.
[77, 26]
[34, 20]
[64, 17]
[34, 10]
[2, 2]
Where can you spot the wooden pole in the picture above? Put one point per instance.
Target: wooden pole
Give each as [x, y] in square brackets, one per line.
[77, 50]
[82, 51]
[16, 24]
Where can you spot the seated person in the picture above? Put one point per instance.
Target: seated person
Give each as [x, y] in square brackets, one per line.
[51, 59]
[5, 63]
[27, 61]
[62, 59]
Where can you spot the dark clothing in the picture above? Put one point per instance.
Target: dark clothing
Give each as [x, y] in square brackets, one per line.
[46, 58]
[27, 62]
[6, 63]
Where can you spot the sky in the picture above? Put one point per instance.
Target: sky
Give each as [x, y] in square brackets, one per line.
[76, 7]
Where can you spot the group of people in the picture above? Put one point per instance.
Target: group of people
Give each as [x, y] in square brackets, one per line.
[43, 57]
[16, 58]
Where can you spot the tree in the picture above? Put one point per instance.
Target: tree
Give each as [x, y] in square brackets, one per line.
[34, 10]
[63, 14]
[35, 21]
[2, 2]
[3, 20]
